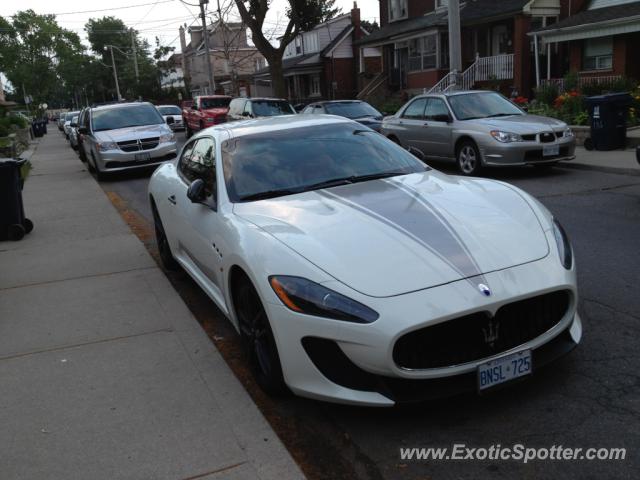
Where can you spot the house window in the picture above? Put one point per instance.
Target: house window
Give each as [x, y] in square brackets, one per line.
[423, 53]
[598, 54]
[298, 45]
[311, 42]
[315, 86]
[397, 10]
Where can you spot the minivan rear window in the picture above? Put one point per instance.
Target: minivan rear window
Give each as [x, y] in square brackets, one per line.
[125, 116]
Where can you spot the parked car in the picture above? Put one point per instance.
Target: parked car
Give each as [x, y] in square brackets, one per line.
[83, 121]
[356, 110]
[126, 136]
[479, 129]
[173, 116]
[73, 133]
[67, 123]
[205, 112]
[354, 272]
[60, 122]
[244, 108]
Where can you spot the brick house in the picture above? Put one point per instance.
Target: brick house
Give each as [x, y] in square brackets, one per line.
[323, 63]
[495, 43]
[233, 60]
[599, 37]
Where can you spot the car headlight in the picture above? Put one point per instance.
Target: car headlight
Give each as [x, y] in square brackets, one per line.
[564, 247]
[304, 296]
[505, 137]
[567, 133]
[167, 137]
[105, 146]
[211, 119]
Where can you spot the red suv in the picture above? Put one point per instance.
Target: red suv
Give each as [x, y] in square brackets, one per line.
[206, 111]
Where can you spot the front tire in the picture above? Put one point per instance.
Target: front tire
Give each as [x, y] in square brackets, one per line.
[468, 158]
[258, 340]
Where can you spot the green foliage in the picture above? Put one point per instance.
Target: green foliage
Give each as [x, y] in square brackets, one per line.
[571, 81]
[546, 94]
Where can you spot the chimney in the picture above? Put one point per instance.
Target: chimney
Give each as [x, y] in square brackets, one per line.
[355, 21]
[183, 40]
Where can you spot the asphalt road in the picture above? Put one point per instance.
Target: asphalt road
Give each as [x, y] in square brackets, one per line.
[591, 398]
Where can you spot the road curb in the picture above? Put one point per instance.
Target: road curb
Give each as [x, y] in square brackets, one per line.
[604, 169]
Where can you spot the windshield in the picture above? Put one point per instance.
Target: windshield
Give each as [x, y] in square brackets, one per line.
[169, 110]
[284, 162]
[352, 109]
[70, 115]
[207, 103]
[482, 105]
[125, 116]
[270, 108]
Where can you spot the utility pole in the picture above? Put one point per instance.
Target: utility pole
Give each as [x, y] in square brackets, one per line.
[212, 81]
[135, 55]
[115, 73]
[455, 49]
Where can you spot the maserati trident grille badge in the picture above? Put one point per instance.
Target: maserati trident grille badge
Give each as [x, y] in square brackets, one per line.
[484, 289]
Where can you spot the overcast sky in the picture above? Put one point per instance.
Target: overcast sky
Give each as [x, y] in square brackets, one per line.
[152, 18]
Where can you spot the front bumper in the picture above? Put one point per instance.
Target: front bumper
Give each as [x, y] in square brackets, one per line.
[117, 160]
[312, 350]
[499, 154]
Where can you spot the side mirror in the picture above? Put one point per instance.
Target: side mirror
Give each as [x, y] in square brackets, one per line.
[170, 120]
[196, 192]
[73, 125]
[246, 114]
[83, 130]
[416, 153]
[442, 118]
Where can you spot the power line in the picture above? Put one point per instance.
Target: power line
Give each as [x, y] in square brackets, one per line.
[108, 9]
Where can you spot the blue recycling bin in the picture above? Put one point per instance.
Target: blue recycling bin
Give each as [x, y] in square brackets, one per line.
[13, 223]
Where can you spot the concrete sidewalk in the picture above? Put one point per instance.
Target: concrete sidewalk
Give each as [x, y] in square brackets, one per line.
[614, 161]
[104, 373]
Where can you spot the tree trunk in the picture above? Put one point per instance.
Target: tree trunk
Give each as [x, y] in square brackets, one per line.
[278, 85]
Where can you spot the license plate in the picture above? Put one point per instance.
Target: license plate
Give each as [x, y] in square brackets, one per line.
[550, 150]
[141, 157]
[504, 369]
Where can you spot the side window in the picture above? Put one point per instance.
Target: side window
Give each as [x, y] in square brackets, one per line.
[415, 110]
[319, 109]
[235, 107]
[435, 108]
[308, 109]
[183, 165]
[247, 108]
[199, 162]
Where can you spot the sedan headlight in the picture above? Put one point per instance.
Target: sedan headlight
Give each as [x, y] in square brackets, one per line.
[567, 133]
[304, 296]
[564, 247]
[105, 146]
[167, 137]
[505, 137]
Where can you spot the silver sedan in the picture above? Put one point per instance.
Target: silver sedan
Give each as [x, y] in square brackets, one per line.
[478, 129]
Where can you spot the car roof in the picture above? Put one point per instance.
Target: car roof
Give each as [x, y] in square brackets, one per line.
[119, 105]
[330, 102]
[163, 106]
[278, 123]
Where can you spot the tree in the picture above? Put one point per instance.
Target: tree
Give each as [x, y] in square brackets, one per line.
[34, 55]
[303, 15]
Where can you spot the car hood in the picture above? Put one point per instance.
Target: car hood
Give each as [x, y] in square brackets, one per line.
[133, 133]
[389, 237]
[215, 111]
[522, 123]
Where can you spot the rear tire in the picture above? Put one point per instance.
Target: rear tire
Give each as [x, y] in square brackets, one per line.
[468, 158]
[15, 232]
[258, 340]
[166, 257]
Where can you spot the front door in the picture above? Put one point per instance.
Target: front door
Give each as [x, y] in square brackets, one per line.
[438, 130]
[200, 237]
[411, 126]
[403, 64]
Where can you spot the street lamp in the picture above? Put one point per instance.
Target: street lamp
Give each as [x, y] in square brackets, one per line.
[115, 72]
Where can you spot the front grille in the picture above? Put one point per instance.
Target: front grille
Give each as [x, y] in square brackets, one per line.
[139, 163]
[478, 335]
[529, 137]
[138, 145]
[547, 137]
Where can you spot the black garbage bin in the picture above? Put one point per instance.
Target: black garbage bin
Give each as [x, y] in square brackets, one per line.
[608, 117]
[37, 129]
[45, 122]
[13, 224]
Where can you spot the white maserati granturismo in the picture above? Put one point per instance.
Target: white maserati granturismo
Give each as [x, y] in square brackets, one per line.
[354, 273]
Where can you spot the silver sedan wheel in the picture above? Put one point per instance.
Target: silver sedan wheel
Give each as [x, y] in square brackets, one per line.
[467, 159]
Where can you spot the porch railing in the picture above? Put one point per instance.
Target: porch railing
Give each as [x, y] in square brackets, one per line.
[372, 86]
[582, 81]
[498, 67]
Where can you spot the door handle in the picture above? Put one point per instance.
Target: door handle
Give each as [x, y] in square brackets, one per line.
[172, 199]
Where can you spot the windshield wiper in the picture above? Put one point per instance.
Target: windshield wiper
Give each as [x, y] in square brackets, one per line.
[501, 115]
